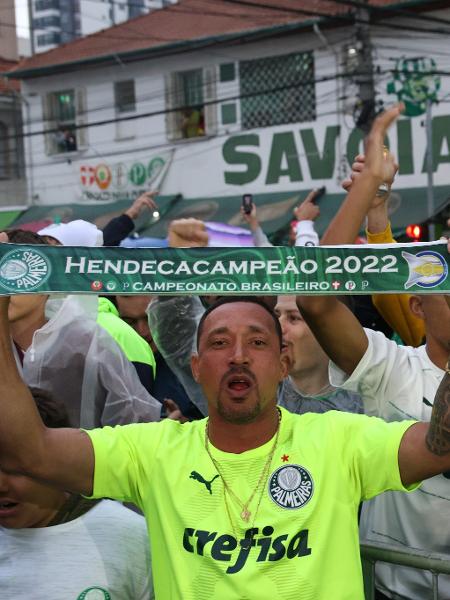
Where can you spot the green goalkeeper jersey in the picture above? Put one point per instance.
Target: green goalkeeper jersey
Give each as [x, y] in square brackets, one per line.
[301, 540]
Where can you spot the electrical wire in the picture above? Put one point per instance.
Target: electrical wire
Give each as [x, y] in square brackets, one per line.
[176, 8]
[164, 146]
[177, 109]
[393, 10]
[346, 19]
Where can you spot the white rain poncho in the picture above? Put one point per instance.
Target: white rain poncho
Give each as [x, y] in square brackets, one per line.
[81, 365]
[173, 323]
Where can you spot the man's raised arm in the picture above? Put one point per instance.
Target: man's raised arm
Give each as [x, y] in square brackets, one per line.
[425, 447]
[63, 458]
[378, 168]
[336, 328]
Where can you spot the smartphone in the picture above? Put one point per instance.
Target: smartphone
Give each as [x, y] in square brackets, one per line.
[247, 203]
[320, 192]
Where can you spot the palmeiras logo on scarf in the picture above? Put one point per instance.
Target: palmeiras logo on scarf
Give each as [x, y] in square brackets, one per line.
[23, 270]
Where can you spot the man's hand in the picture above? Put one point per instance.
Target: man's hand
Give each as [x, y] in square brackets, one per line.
[3, 237]
[345, 226]
[391, 168]
[390, 165]
[187, 233]
[145, 200]
[251, 217]
[173, 411]
[307, 210]
[378, 159]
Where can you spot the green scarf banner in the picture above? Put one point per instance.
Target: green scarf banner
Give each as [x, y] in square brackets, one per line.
[365, 269]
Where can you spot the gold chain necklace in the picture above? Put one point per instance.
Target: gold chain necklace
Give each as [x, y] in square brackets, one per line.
[245, 512]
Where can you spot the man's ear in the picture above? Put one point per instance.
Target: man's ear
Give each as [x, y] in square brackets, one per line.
[415, 306]
[194, 367]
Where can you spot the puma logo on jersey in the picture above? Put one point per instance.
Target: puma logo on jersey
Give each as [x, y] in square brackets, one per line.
[201, 479]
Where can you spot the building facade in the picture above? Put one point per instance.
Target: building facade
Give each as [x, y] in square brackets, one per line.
[8, 40]
[271, 110]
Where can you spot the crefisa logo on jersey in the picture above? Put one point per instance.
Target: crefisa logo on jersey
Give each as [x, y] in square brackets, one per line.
[291, 486]
[23, 270]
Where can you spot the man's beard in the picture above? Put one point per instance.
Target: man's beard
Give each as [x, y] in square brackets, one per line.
[239, 417]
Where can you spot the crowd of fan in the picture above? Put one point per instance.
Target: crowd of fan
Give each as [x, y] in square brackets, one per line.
[93, 362]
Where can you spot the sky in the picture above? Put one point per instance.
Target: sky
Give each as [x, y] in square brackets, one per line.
[22, 18]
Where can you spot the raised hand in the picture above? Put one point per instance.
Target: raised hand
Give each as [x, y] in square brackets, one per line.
[391, 168]
[145, 200]
[307, 210]
[187, 233]
[378, 159]
[250, 217]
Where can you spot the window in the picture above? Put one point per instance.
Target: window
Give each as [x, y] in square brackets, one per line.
[48, 39]
[136, 8]
[125, 102]
[190, 113]
[277, 90]
[44, 22]
[63, 114]
[227, 72]
[124, 96]
[46, 4]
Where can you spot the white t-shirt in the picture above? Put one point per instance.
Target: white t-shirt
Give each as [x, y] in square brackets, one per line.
[102, 555]
[397, 383]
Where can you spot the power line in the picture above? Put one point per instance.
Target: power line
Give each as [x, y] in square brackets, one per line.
[239, 96]
[164, 145]
[177, 109]
[320, 99]
[174, 8]
[165, 111]
[178, 8]
[394, 10]
[346, 19]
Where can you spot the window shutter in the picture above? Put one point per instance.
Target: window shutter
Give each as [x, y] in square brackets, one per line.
[210, 94]
[81, 118]
[173, 100]
[49, 124]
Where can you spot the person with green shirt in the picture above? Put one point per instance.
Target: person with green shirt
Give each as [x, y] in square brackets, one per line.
[252, 502]
[135, 348]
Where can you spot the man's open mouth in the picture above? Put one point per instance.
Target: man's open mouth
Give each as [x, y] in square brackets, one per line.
[7, 506]
[239, 384]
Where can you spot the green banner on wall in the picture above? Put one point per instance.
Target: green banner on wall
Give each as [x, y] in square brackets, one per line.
[418, 268]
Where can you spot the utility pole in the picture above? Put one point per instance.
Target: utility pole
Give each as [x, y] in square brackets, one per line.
[430, 167]
[364, 77]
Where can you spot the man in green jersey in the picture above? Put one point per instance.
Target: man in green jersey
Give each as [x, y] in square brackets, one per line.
[253, 502]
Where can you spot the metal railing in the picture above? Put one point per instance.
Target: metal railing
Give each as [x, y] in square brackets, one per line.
[436, 564]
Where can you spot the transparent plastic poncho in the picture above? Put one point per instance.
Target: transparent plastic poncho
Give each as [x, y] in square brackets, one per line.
[80, 364]
[173, 323]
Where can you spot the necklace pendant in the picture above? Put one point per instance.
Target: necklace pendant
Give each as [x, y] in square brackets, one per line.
[245, 515]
